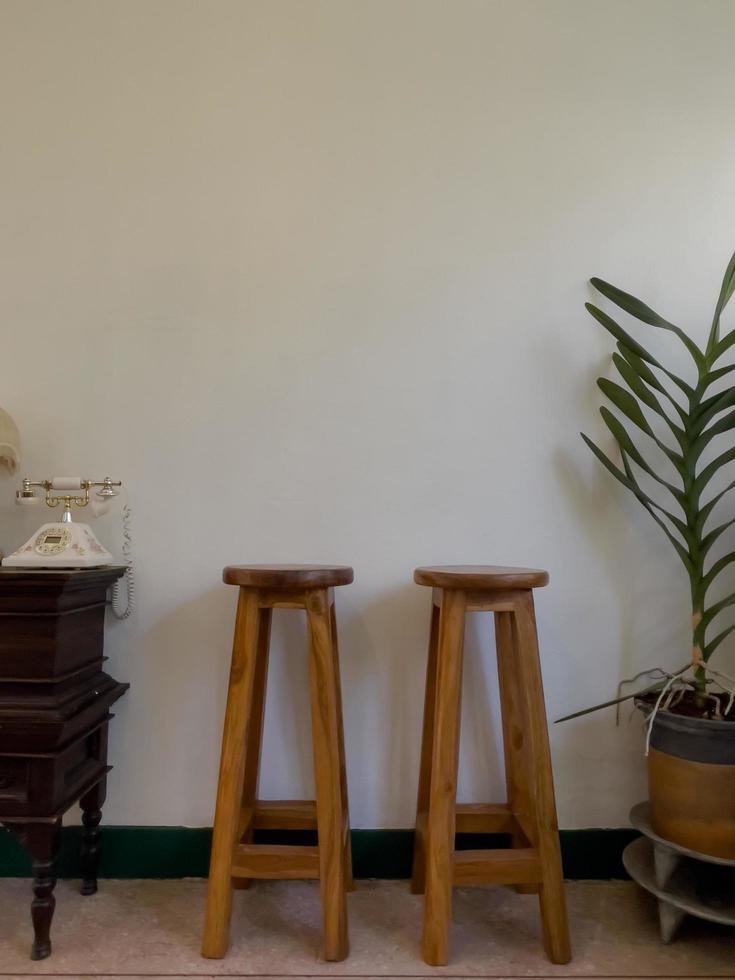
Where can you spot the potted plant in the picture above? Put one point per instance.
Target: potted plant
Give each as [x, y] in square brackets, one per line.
[675, 434]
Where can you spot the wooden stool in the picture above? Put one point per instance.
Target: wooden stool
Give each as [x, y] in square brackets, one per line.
[239, 812]
[533, 862]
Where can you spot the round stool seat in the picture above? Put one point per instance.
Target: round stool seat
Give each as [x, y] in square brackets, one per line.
[288, 576]
[480, 578]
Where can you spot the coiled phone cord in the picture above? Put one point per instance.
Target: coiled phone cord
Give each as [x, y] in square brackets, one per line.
[123, 611]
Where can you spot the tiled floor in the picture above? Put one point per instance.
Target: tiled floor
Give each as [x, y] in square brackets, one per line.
[152, 928]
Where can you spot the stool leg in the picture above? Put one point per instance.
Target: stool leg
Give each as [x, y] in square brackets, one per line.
[255, 732]
[231, 776]
[349, 879]
[418, 875]
[443, 792]
[329, 805]
[514, 740]
[551, 890]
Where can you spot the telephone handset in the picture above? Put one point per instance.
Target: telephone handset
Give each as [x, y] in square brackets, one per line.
[69, 544]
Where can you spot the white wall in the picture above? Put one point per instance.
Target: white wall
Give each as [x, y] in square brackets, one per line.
[309, 276]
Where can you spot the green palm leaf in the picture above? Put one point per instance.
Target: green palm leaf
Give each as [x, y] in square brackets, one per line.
[645, 314]
[623, 337]
[720, 565]
[632, 410]
[709, 648]
[627, 446]
[724, 425]
[706, 509]
[651, 506]
[644, 393]
[626, 403]
[709, 539]
[723, 346]
[712, 406]
[728, 286]
[647, 375]
[712, 376]
[718, 607]
[712, 469]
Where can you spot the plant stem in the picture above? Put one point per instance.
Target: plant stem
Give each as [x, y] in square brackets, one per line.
[700, 680]
[692, 512]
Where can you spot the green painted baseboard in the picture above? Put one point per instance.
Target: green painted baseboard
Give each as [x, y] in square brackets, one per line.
[183, 852]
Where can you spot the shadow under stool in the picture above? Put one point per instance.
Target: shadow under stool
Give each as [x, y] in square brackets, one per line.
[235, 858]
[533, 862]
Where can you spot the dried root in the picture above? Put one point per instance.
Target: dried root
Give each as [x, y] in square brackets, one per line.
[677, 685]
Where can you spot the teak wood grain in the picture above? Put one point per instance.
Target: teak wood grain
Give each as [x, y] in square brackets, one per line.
[543, 804]
[418, 876]
[347, 841]
[288, 576]
[485, 818]
[254, 736]
[533, 862]
[480, 578]
[285, 815]
[515, 742]
[497, 867]
[236, 859]
[275, 861]
[331, 814]
[443, 787]
[231, 776]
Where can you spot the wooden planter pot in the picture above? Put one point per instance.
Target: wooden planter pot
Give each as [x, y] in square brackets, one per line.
[691, 780]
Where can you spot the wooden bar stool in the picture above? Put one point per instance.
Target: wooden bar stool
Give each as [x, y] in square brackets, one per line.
[533, 862]
[234, 855]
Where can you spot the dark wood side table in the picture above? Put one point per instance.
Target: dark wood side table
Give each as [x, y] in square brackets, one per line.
[55, 704]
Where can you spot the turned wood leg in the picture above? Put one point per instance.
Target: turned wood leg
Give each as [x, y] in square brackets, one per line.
[255, 736]
[231, 776]
[90, 850]
[418, 875]
[541, 789]
[329, 805]
[349, 879]
[91, 804]
[443, 792]
[42, 842]
[514, 739]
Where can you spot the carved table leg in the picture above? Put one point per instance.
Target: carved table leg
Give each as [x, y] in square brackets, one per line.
[91, 805]
[42, 841]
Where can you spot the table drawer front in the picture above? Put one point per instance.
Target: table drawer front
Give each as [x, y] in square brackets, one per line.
[41, 785]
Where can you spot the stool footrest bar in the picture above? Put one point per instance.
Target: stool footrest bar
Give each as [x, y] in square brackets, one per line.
[285, 815]
[519, 866]
[275, 861]
[485, 818]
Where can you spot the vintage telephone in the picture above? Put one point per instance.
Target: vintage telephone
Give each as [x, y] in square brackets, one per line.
[67, 544]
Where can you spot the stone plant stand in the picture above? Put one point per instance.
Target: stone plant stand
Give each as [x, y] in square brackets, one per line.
[684, 882]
